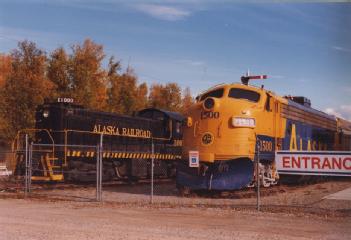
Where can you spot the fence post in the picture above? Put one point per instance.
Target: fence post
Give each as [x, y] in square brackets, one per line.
[26, 167]
[97, 171]
[30, 161]
[258, 175]
[100, 167]
[152, 171]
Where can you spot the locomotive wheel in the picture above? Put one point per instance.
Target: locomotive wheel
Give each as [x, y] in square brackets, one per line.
[265, 183]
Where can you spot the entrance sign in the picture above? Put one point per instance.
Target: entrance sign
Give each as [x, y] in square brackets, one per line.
[326, 163]
[193, 158]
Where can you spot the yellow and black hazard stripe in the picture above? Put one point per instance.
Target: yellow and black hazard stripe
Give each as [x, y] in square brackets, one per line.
[125, 155]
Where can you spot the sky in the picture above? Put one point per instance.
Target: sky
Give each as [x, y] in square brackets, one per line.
[304, 47]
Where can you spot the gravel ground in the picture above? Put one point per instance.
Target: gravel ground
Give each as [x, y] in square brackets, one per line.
[33, 219]
[66, 211]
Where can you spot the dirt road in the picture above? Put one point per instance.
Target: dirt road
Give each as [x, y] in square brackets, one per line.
[36, 219]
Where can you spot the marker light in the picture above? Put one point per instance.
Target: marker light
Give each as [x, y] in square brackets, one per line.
[243, 122]
[189, 121]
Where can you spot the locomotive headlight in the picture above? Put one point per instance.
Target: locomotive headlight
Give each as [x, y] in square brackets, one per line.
[243, 122]
[209, 104]
[46, 113]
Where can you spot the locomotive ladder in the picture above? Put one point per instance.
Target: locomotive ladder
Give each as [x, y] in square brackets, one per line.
[51, 172]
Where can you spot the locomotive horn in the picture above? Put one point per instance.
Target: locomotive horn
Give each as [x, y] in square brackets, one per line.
[245, 79]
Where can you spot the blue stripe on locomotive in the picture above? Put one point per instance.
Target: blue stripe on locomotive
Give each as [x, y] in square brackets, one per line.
[308, 132]
[320, 138]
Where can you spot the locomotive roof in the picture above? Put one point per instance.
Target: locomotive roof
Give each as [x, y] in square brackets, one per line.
[279, 98]
[173, 115]
[311, 110]
[344, 125]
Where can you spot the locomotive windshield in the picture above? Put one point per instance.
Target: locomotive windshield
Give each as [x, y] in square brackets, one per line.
[218, 93]
[239, 93]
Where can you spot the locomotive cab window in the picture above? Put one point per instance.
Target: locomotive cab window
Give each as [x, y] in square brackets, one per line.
[248, 95]
[269, 103]
[218, 93]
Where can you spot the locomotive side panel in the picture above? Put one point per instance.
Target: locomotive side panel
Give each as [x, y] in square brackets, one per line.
[127, 141]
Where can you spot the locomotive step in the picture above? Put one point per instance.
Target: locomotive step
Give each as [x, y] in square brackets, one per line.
[56, 177]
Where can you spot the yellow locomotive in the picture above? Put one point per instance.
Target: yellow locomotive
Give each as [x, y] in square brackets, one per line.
[229, 122]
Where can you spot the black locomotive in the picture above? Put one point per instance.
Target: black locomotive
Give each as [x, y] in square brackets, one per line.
[65, 139]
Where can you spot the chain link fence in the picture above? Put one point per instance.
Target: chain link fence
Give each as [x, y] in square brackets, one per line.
[94, 173]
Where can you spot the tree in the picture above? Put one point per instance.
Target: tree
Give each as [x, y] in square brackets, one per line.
[156, 96]
[25, 88]
[87, 76]
[141, 97]
[166, 97]
[187, 100]
[5, 71]
[126, 102]
[58, 73]
[124, 94]
[173, 98]
[5, 68]
[113, 78]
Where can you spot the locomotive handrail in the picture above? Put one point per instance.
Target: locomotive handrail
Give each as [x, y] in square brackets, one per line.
[66, 131]
[28, 130]
[99, 133]
[33, 130]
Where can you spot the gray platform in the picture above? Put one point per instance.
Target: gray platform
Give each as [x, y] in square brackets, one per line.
[342, 195]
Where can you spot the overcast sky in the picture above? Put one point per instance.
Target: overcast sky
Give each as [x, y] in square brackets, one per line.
[304, 48]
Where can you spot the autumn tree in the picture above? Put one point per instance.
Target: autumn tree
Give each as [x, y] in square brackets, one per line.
[125, 93]
[187, 100]
[25, 88]
[172, 95]
[87, 75]
[156, 96]
[5, 71]
[166, 97]
[141, 97]
[5, 68]
[58, 73]
[113, 78]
